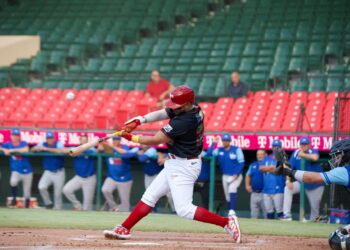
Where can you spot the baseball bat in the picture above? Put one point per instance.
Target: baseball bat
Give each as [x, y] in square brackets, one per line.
[80, 149]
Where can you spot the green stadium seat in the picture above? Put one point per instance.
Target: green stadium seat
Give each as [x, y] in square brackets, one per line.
[298, 86]
[334, 84]
[127, 85]
[111, 85]
[317, 84]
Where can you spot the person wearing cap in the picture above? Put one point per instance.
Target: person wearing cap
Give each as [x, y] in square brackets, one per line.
[183, 136]
[21, 170]
[85, 178]
[119, 175]
[254, 184]
[54, 173]
[314, 192]
[231, 162]
[273, 185]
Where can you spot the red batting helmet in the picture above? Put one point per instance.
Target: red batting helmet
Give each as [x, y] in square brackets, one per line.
[180, 96]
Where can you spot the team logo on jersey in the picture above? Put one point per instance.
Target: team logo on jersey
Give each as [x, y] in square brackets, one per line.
[232, 156]
[167, 128]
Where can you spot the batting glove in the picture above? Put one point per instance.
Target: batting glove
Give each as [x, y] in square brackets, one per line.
[133, 123]
[130, 137]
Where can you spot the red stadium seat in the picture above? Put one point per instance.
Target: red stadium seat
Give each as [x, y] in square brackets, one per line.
[121, 93]
[83, 92]
[3, 116]
[299, 95]
[48, 120]
[53, 94]
[280, 95]
[7, 91]
[31, 120]
[13, 119]
[270, 125]
[38, 92]
[135, 93]
[252, 125]
[262, 94]
[65, 120]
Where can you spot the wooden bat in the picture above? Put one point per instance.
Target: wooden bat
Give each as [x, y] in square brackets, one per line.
[80, 149]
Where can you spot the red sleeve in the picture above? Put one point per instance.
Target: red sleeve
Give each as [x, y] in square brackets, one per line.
[148, 89]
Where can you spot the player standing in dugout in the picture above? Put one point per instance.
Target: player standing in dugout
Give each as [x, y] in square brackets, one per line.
[184, 138]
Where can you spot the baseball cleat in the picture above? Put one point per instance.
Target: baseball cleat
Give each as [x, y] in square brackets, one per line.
[232, 228]
[118, 233]
[285, 218]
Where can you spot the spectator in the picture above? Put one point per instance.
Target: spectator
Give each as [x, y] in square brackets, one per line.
[21, 170]
[237, 88]
[119, 175]
[254, 184]
[231, 162]
[313, 191]
[85, 178]
[273, 185]
[54, 173]
[152, 165]
[158, 87]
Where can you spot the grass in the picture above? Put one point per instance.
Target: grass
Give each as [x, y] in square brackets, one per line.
[41, 218]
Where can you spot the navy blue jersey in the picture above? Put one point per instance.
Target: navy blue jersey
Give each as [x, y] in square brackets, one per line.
[256, 176]
[186, 132]
[84, 164]
[18, 163]
[295, 162]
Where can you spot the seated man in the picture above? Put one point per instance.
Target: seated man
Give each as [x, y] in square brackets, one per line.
[158, 87]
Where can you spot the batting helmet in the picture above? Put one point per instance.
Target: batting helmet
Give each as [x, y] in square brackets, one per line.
[339, 239]
[180, 96]
[340, 153]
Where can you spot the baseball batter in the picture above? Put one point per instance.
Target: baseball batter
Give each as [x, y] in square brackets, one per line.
[21, 170]
[119, 177]
[184, 138]
[85, 178]
[54, 173]
[254, 184]
[273, 185]
[313, 191]
[148, 156]
[231, 162]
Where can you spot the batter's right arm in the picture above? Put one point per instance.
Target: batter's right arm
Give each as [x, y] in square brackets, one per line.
[133, 123]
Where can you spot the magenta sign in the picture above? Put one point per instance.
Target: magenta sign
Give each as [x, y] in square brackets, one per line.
[245, 141]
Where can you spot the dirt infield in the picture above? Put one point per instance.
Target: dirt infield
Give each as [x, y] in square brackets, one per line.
[24, 238]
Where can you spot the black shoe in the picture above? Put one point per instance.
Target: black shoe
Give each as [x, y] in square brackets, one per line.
[50, 206]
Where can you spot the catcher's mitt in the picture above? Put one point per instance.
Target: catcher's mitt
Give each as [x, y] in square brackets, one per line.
[283, 166]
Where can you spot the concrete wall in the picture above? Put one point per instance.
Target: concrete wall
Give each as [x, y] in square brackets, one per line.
[15, 47]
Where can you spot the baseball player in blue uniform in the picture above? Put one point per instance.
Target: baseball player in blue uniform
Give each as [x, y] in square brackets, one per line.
[21, 170]
[254, 184]
[313, 191]
[119, 176]
[340, 175]
[273, 185]
[85, 178]
[184, 138]
[148, 157]
[54, 173]
[231, 162]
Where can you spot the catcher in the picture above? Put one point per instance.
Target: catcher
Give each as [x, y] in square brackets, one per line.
[339, 174]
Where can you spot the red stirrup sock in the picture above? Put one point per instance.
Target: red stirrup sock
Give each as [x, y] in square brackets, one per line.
[140, 211]
[204, 215]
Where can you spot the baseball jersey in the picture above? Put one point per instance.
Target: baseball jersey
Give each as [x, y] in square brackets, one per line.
[273, 184]
[257, 177]
[231, 161]
[295, 162]
[119, 168]
[52, 163]
[339, 175]
[186, 132]
[84, 164]
[205, 170]
[149, 162]
[18, 163]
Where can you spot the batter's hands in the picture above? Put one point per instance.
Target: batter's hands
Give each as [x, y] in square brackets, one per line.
[133, 123]
[130, 137]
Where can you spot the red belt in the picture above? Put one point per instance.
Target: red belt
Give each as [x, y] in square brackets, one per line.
[191, 157]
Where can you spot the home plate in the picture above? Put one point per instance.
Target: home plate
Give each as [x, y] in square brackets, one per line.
[142, 244]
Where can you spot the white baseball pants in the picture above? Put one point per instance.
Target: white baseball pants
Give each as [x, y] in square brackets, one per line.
[178, 177]
[273, 202]
[229, 185]
[124, 189]
[26, 180]
[87, 185]
[57, 180]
